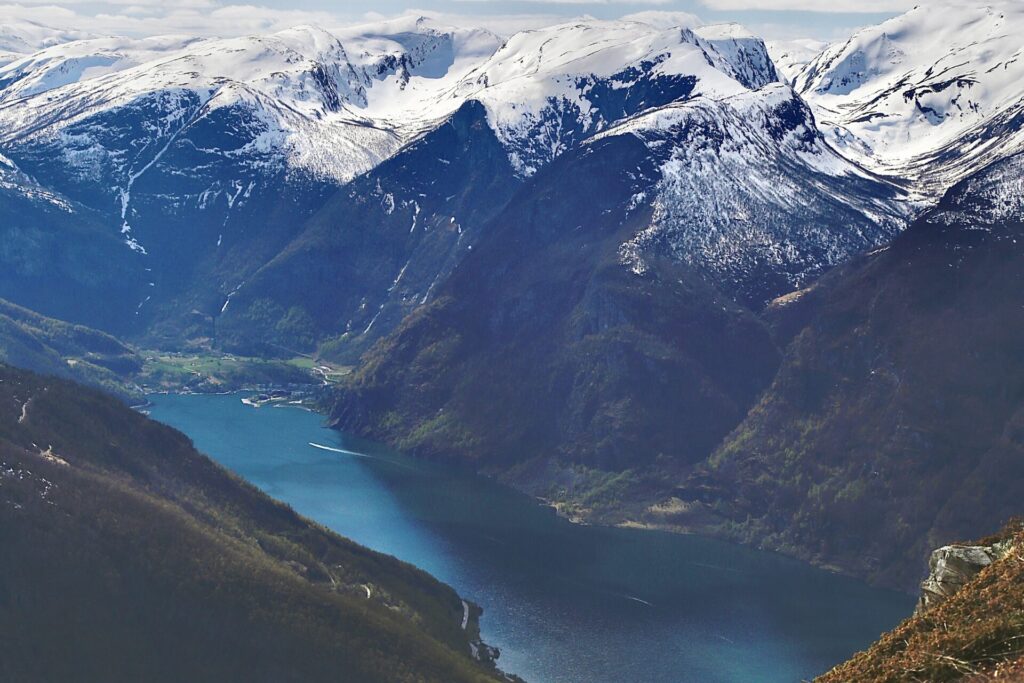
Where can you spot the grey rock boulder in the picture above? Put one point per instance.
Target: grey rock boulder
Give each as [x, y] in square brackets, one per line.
[952, 566]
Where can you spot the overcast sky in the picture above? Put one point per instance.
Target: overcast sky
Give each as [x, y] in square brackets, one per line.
[825, 19]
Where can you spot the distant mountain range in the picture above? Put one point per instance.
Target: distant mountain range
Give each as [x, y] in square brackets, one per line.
[235, 172]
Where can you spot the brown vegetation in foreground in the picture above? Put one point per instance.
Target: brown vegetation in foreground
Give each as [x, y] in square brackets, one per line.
[977, 635]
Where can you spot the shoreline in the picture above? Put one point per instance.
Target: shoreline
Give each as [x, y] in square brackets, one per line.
[566, 510]
[586, 518]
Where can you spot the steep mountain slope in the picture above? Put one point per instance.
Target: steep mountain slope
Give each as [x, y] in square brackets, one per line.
[205, 157]
[973, 635]
[385, 241]
[550, 89]
[542, 341]
[377, 249]
[751, 197]
[598, 326]
[119, 538]
[893, 425]
[62, 258]
[217, 157]
[930, 96]
[53, 347]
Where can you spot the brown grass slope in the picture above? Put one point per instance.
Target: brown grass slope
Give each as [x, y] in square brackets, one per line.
[977, 635]
[127, 555]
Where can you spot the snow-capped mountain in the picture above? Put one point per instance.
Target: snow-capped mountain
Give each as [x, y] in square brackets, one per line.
[746, 191]
[294, 97]
[81, 60]
[221, 162]
[549, 89]
[930, 96]
[210, 154]
[792, 56]
[751, 195]
[297, 101]
[337, 106]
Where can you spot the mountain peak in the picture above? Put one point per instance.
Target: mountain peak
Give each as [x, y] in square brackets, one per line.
[915, 93]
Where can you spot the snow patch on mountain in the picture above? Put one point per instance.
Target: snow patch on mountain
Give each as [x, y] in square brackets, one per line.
[752, 193]
[792, 56]
[549, 89]
[901, 96]
[990, 198]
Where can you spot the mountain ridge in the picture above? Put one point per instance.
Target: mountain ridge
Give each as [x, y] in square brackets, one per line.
[122, 539]
[210, 156]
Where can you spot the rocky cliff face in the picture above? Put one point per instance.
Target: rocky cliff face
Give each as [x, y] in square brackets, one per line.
[952, 567]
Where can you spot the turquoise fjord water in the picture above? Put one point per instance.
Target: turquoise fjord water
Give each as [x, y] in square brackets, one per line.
[564, 603]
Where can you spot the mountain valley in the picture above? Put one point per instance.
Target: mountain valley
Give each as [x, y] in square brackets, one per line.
[655, 275]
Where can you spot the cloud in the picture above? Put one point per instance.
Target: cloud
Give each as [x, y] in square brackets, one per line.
[665, 19]
[210, 18]
[154, 17]
[578, 2]
[502, 24]
[140, 18]
[831, 6]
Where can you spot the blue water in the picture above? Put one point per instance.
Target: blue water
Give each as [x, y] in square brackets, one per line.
[564, 603]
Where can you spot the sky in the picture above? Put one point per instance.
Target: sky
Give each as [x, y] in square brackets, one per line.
[772, 19]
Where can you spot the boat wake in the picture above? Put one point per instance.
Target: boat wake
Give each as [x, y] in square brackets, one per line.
[345, 451]
[636, 599]
[340, 450]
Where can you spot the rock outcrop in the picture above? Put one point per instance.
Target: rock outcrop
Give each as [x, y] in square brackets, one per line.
[952, 566]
